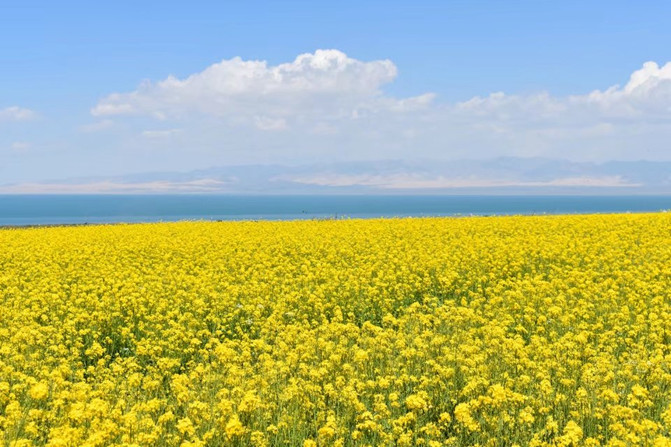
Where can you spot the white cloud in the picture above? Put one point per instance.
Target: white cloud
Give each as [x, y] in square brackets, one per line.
[265, 123]
[97, 126]
[16, 113]
[327, 82]
[161, 133]
[648, 91]
[328, 102]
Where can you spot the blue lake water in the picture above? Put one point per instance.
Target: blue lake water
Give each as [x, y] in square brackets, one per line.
[73, 209]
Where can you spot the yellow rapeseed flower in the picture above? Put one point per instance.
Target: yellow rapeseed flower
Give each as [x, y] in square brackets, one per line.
[537, 330]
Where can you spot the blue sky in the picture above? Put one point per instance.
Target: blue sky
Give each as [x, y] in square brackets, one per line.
[63, 59]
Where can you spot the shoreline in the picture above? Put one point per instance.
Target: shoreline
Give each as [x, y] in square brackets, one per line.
[38, 212]
[331, 218]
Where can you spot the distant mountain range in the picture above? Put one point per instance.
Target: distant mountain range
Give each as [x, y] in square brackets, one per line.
[507, 175]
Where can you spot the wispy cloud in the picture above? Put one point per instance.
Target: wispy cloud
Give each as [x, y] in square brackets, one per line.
[97, 126]
[20, 146]
[15, 113]
[416, 182]
[111, 187]
[160, 133]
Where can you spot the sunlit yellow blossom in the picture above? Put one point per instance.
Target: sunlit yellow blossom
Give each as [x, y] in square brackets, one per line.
[416, 402]
[462, 414]
[539, 330]
[185, 426]
[39, 391]
[234, 427]
[572, 434]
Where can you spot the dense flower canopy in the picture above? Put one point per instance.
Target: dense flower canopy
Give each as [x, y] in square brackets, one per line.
[497, 331]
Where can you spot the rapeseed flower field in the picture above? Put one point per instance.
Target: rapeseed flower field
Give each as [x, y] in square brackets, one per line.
[493, 331]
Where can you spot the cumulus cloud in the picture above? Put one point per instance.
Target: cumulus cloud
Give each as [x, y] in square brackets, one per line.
[16, 113]
[322, 96]
[647, 93]
[327, 82]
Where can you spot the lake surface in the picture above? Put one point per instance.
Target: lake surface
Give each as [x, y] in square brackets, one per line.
[77, 209]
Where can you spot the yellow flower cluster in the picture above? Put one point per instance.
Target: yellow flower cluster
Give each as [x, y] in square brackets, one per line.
[498, 331]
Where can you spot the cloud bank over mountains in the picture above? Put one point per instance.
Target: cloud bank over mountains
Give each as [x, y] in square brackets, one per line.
[327, 108]
[328, 93]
